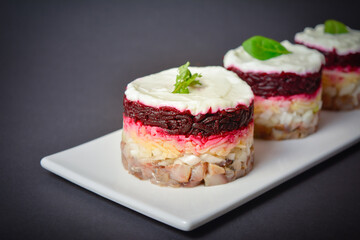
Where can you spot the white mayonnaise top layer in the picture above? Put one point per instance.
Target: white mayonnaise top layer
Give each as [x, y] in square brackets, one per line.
[344, 43]
[220, 89]
[301, 60]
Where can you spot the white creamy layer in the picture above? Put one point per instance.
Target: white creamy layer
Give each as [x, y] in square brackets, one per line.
[302, 60]
[344, 43]
[220, 89]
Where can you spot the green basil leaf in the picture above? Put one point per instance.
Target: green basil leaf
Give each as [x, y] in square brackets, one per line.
[185, 79]
[263, 48]
[335, 27]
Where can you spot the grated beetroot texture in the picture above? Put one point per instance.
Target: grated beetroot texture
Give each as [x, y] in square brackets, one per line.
[176, 122]
[335, 60]
[280, 84]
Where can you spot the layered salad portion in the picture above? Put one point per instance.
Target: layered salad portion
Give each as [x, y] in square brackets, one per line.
[341, 74]
[286, 81]
[188, 126]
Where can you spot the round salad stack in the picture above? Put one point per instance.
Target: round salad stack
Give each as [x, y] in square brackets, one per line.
[188, 126]
[341, 74]
[286, 81]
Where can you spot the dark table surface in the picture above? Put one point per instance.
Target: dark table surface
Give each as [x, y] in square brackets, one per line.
[64, 68]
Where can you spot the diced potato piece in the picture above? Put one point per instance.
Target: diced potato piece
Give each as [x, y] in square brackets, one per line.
[214, 169]
[211, 180]
[180, 172]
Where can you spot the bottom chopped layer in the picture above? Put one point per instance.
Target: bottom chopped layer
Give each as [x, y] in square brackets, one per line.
[180, 174]
[280, 132]
[180, 161]
[341, 90]
[279, 118]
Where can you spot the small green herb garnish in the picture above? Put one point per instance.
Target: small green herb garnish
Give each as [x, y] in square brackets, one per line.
[185, 79]
[263, 48]
[335, 27]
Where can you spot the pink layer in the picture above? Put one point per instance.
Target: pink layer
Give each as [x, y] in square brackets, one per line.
[298, 97]
[231, 138]
[346, 69]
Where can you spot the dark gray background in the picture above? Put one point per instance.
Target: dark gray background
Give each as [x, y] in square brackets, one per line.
[63, 70]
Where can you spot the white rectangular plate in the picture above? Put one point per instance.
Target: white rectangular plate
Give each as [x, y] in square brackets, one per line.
[97, 166]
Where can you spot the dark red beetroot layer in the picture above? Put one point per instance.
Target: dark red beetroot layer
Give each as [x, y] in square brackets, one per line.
[184, 123]
[335, 60]
[280, 84]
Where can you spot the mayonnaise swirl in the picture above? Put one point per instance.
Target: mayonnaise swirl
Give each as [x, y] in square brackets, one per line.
[301, 60]
[220, 89]
[344, 43]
